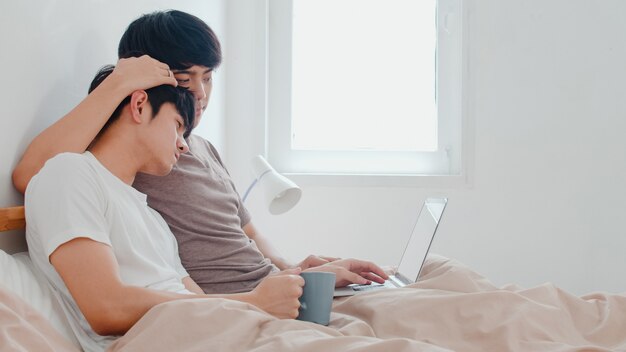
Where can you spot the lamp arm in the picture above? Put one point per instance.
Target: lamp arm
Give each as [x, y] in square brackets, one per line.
[249, 189]
[245, 195]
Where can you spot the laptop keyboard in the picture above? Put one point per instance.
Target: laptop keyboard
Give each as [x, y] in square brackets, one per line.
[372, 286]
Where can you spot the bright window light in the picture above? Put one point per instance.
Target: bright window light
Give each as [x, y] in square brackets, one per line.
[363, 75]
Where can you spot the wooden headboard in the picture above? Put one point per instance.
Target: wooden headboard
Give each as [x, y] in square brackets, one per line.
[12, 219]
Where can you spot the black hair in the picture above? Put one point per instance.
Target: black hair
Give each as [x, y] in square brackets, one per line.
[182, 99]
[174, 37]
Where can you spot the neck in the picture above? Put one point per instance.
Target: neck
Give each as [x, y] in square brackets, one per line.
[117, 156]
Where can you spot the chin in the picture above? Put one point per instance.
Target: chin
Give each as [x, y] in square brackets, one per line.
[161, 171]
[166, 171]
[197, 119]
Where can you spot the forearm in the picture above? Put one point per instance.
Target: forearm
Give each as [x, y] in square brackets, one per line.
[72, 133]
[265, 246]
[192, 285]
[128, 305]
[125, 307]
[274, 256]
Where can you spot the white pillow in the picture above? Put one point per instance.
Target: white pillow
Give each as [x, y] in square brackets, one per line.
[18, 275]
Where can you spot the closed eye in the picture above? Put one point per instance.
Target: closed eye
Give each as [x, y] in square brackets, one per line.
[179, 125]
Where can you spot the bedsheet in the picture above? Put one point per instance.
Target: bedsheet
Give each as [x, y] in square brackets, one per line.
[452, 308]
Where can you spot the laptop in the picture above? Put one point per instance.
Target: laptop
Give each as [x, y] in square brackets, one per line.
[415, 252]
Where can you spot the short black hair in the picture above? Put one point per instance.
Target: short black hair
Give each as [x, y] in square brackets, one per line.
[182, 99]
[179, 39]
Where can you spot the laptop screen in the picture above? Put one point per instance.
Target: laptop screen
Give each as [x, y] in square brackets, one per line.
[421, 238]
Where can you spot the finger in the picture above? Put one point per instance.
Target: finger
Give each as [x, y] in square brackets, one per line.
[329, 259]
[293, 291]
[298, 293]
[365, 266]
[299, 280]
[292, 271]
[169, 79]
[380, 272]
[389, 270]
[162, 65]
[318, 261]
[352, 278]
[150, 59]
[295, 310]
[373, 277]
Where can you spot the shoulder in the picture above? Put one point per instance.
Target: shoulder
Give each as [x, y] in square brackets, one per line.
[63, 171]
[66, 159]
[197, 142]
[65, 166]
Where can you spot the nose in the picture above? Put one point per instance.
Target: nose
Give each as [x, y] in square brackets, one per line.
[182, 145]
[198, 90]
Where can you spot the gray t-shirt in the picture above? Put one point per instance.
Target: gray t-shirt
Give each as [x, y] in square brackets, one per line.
[199, 202]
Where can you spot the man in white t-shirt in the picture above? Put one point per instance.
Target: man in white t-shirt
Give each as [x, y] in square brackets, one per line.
[108, 257]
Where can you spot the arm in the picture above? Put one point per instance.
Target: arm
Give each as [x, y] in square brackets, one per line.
[266, 247]
[75, 131]
[91, 274]
[347, 271]
[192, 285]
[277, 259]
[353, 271]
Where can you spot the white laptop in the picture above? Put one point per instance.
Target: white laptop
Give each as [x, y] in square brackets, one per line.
[414, 254]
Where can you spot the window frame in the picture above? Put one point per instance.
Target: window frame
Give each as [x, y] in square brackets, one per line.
[302, 170]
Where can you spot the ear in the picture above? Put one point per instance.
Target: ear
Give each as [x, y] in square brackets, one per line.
[138, 101]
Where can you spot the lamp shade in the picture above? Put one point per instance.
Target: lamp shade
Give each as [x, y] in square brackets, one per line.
[281, 194]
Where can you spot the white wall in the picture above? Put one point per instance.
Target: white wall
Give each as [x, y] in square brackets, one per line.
[50, 52]
[547, 100]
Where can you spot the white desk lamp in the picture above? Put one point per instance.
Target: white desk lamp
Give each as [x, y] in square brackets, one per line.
[281, 194]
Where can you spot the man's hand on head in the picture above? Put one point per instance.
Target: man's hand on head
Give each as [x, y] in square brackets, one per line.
[141, 73]
[353, 271]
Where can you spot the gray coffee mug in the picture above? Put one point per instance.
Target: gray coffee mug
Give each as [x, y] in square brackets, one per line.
[317, 297]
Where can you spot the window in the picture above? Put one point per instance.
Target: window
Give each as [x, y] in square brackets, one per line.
[367, 87]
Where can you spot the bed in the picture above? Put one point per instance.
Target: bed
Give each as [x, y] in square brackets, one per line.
[451, 308]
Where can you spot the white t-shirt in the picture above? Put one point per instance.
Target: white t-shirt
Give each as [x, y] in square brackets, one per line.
[75, 196]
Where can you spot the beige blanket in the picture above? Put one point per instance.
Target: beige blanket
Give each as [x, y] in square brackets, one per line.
[450, 309]
[22, 328]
